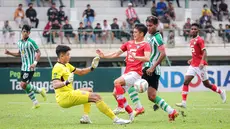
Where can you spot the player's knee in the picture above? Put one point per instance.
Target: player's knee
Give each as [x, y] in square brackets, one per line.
[23, 85]
[186, 82]
[151, 97]
[97, 97]
[207, 84]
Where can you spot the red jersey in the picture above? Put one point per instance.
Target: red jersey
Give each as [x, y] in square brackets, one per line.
[138, 50]
[197, 45]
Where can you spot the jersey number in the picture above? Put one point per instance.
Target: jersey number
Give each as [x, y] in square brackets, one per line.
[130, 58]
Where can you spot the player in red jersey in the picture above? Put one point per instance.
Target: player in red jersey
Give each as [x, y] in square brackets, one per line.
[138, 52]
[198, 66]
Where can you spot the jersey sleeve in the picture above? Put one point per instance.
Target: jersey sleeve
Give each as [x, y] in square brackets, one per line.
[124, 47]
[201, 44]
[158, 39]
[57, 73]
[34, 45]
[71, 67]
[147, 48]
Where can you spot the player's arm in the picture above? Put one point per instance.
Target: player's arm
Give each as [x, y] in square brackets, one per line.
[84, 71]
[109, 55]
[16, 54]
[203, 49]
[161, 49]
[144, 58]
[58, 84]
[37, 57]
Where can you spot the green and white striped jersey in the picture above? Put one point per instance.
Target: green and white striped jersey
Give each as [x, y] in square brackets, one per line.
[154, 40]
[27, 50]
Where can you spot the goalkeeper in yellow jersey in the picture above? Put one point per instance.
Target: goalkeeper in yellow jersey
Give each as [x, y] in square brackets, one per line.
[66, 97]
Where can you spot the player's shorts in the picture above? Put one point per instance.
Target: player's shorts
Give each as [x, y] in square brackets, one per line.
[26, 76]
[153, 80]
[130, 78]
[72, 98]
[193, 71]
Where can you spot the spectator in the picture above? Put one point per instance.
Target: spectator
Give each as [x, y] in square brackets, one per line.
[125, 31]
[68, 31]
[223, 9]
[61, 15]
[214, 10]
[227, 32]
[98, 32]
[52, 13]
[131, 14]
[135, 2]
[206, 11]
[161, 8]
[171, 11]
[131, 27]
[171, 39]
[210, 33]
[56, 30]
[204, 19]
[81, 32]
[165, 20]
[19, 17]
[105, 30]
[153, 9]
[32, 15]
[8, 34]
[115, 30]
[221, 31]
[89, 32]
[47, 32]
[90, 15]
[186, 29]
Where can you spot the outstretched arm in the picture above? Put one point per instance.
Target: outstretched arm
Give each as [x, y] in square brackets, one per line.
[16, 54]
[109, 55]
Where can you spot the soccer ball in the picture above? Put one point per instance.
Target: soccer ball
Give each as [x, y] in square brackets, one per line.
[141, 85]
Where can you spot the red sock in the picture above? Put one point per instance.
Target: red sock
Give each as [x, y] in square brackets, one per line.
[127, 107]
[184, 92]
[216, 89]
[119, 95]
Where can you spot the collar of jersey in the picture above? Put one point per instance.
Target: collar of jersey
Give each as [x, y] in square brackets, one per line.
[61, 63]
[155, 33]
[25, 39]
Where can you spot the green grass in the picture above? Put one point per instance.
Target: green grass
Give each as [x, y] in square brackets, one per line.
[204, 111]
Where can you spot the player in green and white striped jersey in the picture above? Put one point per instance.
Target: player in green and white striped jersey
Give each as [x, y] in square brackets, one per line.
[151, 71]
[30, 55]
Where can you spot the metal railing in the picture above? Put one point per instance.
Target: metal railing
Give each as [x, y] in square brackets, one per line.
[111, 39]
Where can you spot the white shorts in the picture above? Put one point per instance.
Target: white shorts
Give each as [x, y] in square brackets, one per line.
[130, 78]
[197, 71]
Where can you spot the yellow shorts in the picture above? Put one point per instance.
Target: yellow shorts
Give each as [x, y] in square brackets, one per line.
[72, 98]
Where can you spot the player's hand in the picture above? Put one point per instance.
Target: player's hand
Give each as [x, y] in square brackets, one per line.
[95, 62]
[100, 53]
[189, 61]
[7, 52]
[149, 71]
[201, 66]
[32, 67]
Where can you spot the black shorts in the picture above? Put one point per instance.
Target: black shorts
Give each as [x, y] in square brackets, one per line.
[153, 80]
[26, 76]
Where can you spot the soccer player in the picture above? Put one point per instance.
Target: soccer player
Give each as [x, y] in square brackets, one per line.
[66, 97]
[138, 52]
[198, 67]
[151, 71]
[30, 55]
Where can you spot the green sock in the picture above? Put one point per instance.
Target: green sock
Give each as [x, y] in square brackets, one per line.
[31, 95]
[134, 97]
[30, 87]
[164, 106]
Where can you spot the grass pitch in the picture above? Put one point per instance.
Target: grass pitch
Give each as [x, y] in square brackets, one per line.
[204, 111]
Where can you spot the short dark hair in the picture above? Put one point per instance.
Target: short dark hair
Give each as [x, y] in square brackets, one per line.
[152, 19]
[88, 5]
[30, 4]
[26, 27]
[62, 49]
[114, 18]
[196, 24]
[20, 5]
[141, 28]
